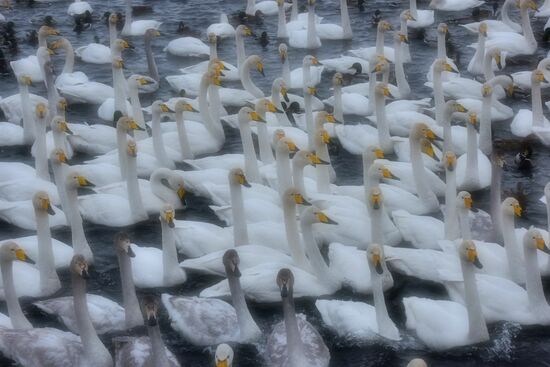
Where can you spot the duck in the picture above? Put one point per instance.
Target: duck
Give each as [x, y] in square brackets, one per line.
[357, 320]
[79, 7]
[136, 27]
[294, 341]
[234, 323]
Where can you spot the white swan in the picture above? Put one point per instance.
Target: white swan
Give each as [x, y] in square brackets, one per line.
[504, 25]
[79, 7]
[334, 31]
[96, 53]
[136, 27]
[369, 53]
[522, 79]
[454, 5]
[306, 38]
[308, 75]
[187, 46]
[218, 321]
[265, 7]
[68, 76]
[357, 320]
[222, 29]
[466, 325]
[421, 18]
[163, 261]
[294, 341]
[442, 31]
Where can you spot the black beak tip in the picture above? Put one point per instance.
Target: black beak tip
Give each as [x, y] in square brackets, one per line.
[237, 272]
[152, 321]
[284, 291]
[247, 184]
[478, 264]
[85, 275]
[379, 269]
[50, 210]
[131, 252]
[171, 224]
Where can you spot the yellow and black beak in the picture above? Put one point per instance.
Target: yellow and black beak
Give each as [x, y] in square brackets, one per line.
[517, 210]
[22, 256]
[386, 173]
[323, 218]
[377, 262]
[468, 202]
[169, 218]
[65, 127]
[189, 108]
[431, 136]
[428, 149]
[164, 108]
[300, 200]
[62, 158]
[134, 126]
[242, 180]
[379, 153]
[272, 108]
[181, 195]
[541, 245]
[315, 160]
[260, 67]
[255, 116]
[325, 137]
[46, 205]
[83, 182]
[225, 362]
[471, 254]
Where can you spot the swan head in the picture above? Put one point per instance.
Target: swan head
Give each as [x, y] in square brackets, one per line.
[376, 198]
[176, 183]
[183, 106]
[247, 114]
[510, 206]
[285, 282]
[224, 356]
[311, 90]
[76, 180]
[293, 196]
[537, 76]
[11, 251]
[324, 116]
[25, 79]
[450, 161]
[41, 202]
[421, 131]
[47, 31]
[231, 262]
[122, 244]
[441, 65]
[167, 215]
[417, 362]
[427, 148]
[464, 200]
[382, 90]
[59, 43]
[256, 60]
[264, 105]
[380, 65]
[310, 60]
[383, 171]
[243, 30]
[150, 308]
[372, 153]
[483, 28]
[286, 145]
[131, 148]
[315, 215]
[401, 38]
[79, 267]
[534, 240]
[338, 79]
[113, 19]
[305, 157]
[151, 33]
[472, 118]
[236, 176]
[283, 52]
[496, 54]
[127, 123]
[41, 110]
[62, 104]
[60, 125]
[442, 28]
[375, 258]
[528, 4]
[406, 15]
[468, 253]
[278, 135]
[212, 38]
[118, 62]
[384, 26]
[322, 137]
[58, 156]
[140, 80]
[311, 2]
[160, 107]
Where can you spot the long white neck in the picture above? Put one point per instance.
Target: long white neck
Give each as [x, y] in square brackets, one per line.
[536, 101]
[311, 28]
[132, 313]
[284, 176]
[293, 236]
[513, 255]
[240, 229]
[480, 51]
[59, 175]
[239, 43]
[121, 139]
[413, 9]
[250, 5]
[488, 72]
[46, 263]
[248, 85]
[446, 118]
[294, 10]
[372, 90]
[41, 154]
[322, 171]
[215, 104]
[18, 319]
[158, 350]
[69, 58]
[386, 327]
[282, 31]
[485, 133]
[346, 24]
[170, 266]
[298, 177]
[476, 322]
[496, 198]
[137, 112]
[526, 27]
[286, 71]
[28, 120]
[42, 39]
[151, 63]
[92, 346]
[419, 172]
[248, 328]
[451, 223]
[185, 147]
[308, 111]
[78, 238]
[158, 142]
[384, 137]
[135, 201]
[250, 161]
[316, 260]
[53, 96]
[213, 128]
[213, 51]
[506, 17]
[377, 233]
[296, 352]
[533, 282]
[266, 153]
[464, 223]
[338, 106]
[126, 30]
[400, 77]
[472, 172]
[112, 35]
[120, 89]
[441, 46]
[439, 102]
[380, 43]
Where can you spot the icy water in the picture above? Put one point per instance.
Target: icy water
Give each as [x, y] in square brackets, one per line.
[509, 346]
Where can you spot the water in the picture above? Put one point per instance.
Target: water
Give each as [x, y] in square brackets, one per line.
[510, 345]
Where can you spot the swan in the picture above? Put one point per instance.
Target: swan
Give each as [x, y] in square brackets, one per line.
[52, 347]
[187, 46]
[30, 65]
[308, 75]
[442, 31]
[294, 341]
[473, 169]
[165, 261]
[346, 103]
[106, 315]
[218, 321]
[222, 29]
[11, 134]
[515, 43]
[307, 38]
[465, 325]
[96, 53]
[257, 281]
[454, 5]
[504, 25]
[334, 31]
[528, 122]
[136, 27]
[146, 350]
[369, 53]
[224, 355]
[421, 18]
[265, 7]
[522, 79]
[79, 7]
[68, 76]
[283, 28]
[481, 63]
[278, 174]
[357, 320]
[56, 138]
[152, 68]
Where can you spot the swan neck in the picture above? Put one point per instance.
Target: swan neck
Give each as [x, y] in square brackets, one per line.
[316, 260]
[451, 221]
[284, 175]
[121, 138]
[266, 153]
[308, 110]
[251, 169]
[247, 326]
[379, 43]
[296, 353]
[298, 177]
[441, 46]
[527, 29]
[485, 133]
[513, 254]
[533, 282]
[158, 350]
[476, 322]
[248, 85]
[401, 78]
[132, 311]
[239, 43]
[536, 101]
[419, 173]
[69, 59]
[311, 28]
[158, 143]
[46, 262]
[78, 238]
[282, 31]
[294, 10]
[439, 102]
[385, 324]
[464, 223]
[472, 171]
[338, 104]
[496, 199]
[18, 319]
[346, 24]
[293, 236]
[137, 111]
[383, 129]
[28, 121]
[135, 201]
[240, 229]
[41, 154]
[170, 265]
[185, 147]
[151, 63]
[126, 30]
